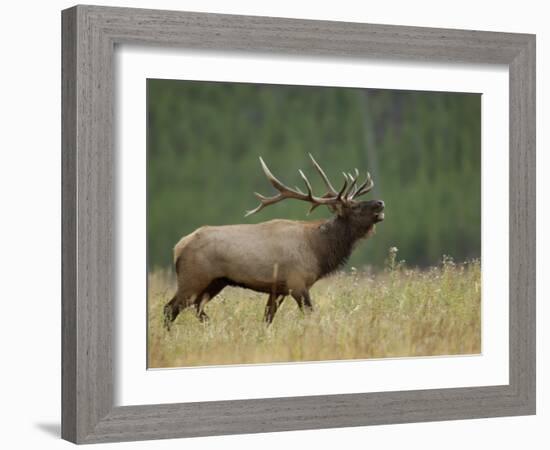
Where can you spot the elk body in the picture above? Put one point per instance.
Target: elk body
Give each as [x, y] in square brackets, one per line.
[279, 257]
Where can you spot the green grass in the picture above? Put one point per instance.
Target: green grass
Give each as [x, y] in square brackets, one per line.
[398, 312]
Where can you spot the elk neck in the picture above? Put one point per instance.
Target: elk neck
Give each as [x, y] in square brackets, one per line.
[334, 240]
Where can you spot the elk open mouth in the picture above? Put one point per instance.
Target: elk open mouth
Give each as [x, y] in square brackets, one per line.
[379, 215]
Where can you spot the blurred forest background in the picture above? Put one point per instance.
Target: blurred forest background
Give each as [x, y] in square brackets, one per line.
[423, 150]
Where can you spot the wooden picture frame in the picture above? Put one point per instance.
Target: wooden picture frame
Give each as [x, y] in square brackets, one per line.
[90, 34]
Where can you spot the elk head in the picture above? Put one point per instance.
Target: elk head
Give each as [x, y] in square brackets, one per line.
[361, 215]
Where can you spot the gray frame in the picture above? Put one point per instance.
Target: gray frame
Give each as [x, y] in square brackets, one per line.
[90, 34]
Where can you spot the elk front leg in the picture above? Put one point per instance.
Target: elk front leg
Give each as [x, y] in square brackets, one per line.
[307, 301]
[303, 300]
[273, 303]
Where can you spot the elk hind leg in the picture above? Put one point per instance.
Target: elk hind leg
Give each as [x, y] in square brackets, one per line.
[171, 311]
[201, 301]
[213, 289]
[185, 297]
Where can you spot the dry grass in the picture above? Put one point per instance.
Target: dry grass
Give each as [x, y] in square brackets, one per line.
[395, 313]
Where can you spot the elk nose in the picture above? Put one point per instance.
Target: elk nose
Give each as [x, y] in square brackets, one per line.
[379, 204]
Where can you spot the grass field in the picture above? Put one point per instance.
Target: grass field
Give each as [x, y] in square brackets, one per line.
[397, 312]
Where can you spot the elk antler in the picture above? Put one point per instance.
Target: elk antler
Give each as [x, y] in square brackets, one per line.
[351, 192]
[286, 192]
[344, 196]
[363, 189]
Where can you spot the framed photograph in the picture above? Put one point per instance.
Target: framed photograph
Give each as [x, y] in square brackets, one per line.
[278, 224]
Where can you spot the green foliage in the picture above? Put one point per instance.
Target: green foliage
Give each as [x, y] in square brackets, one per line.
[398, 312]
[423, 150]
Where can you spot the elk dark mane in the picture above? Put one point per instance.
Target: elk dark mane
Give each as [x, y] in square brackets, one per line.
[335, 243]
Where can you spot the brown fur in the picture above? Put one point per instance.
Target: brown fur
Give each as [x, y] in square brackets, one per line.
[279, 257]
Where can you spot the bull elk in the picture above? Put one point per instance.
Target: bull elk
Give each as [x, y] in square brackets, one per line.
[279, 257]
